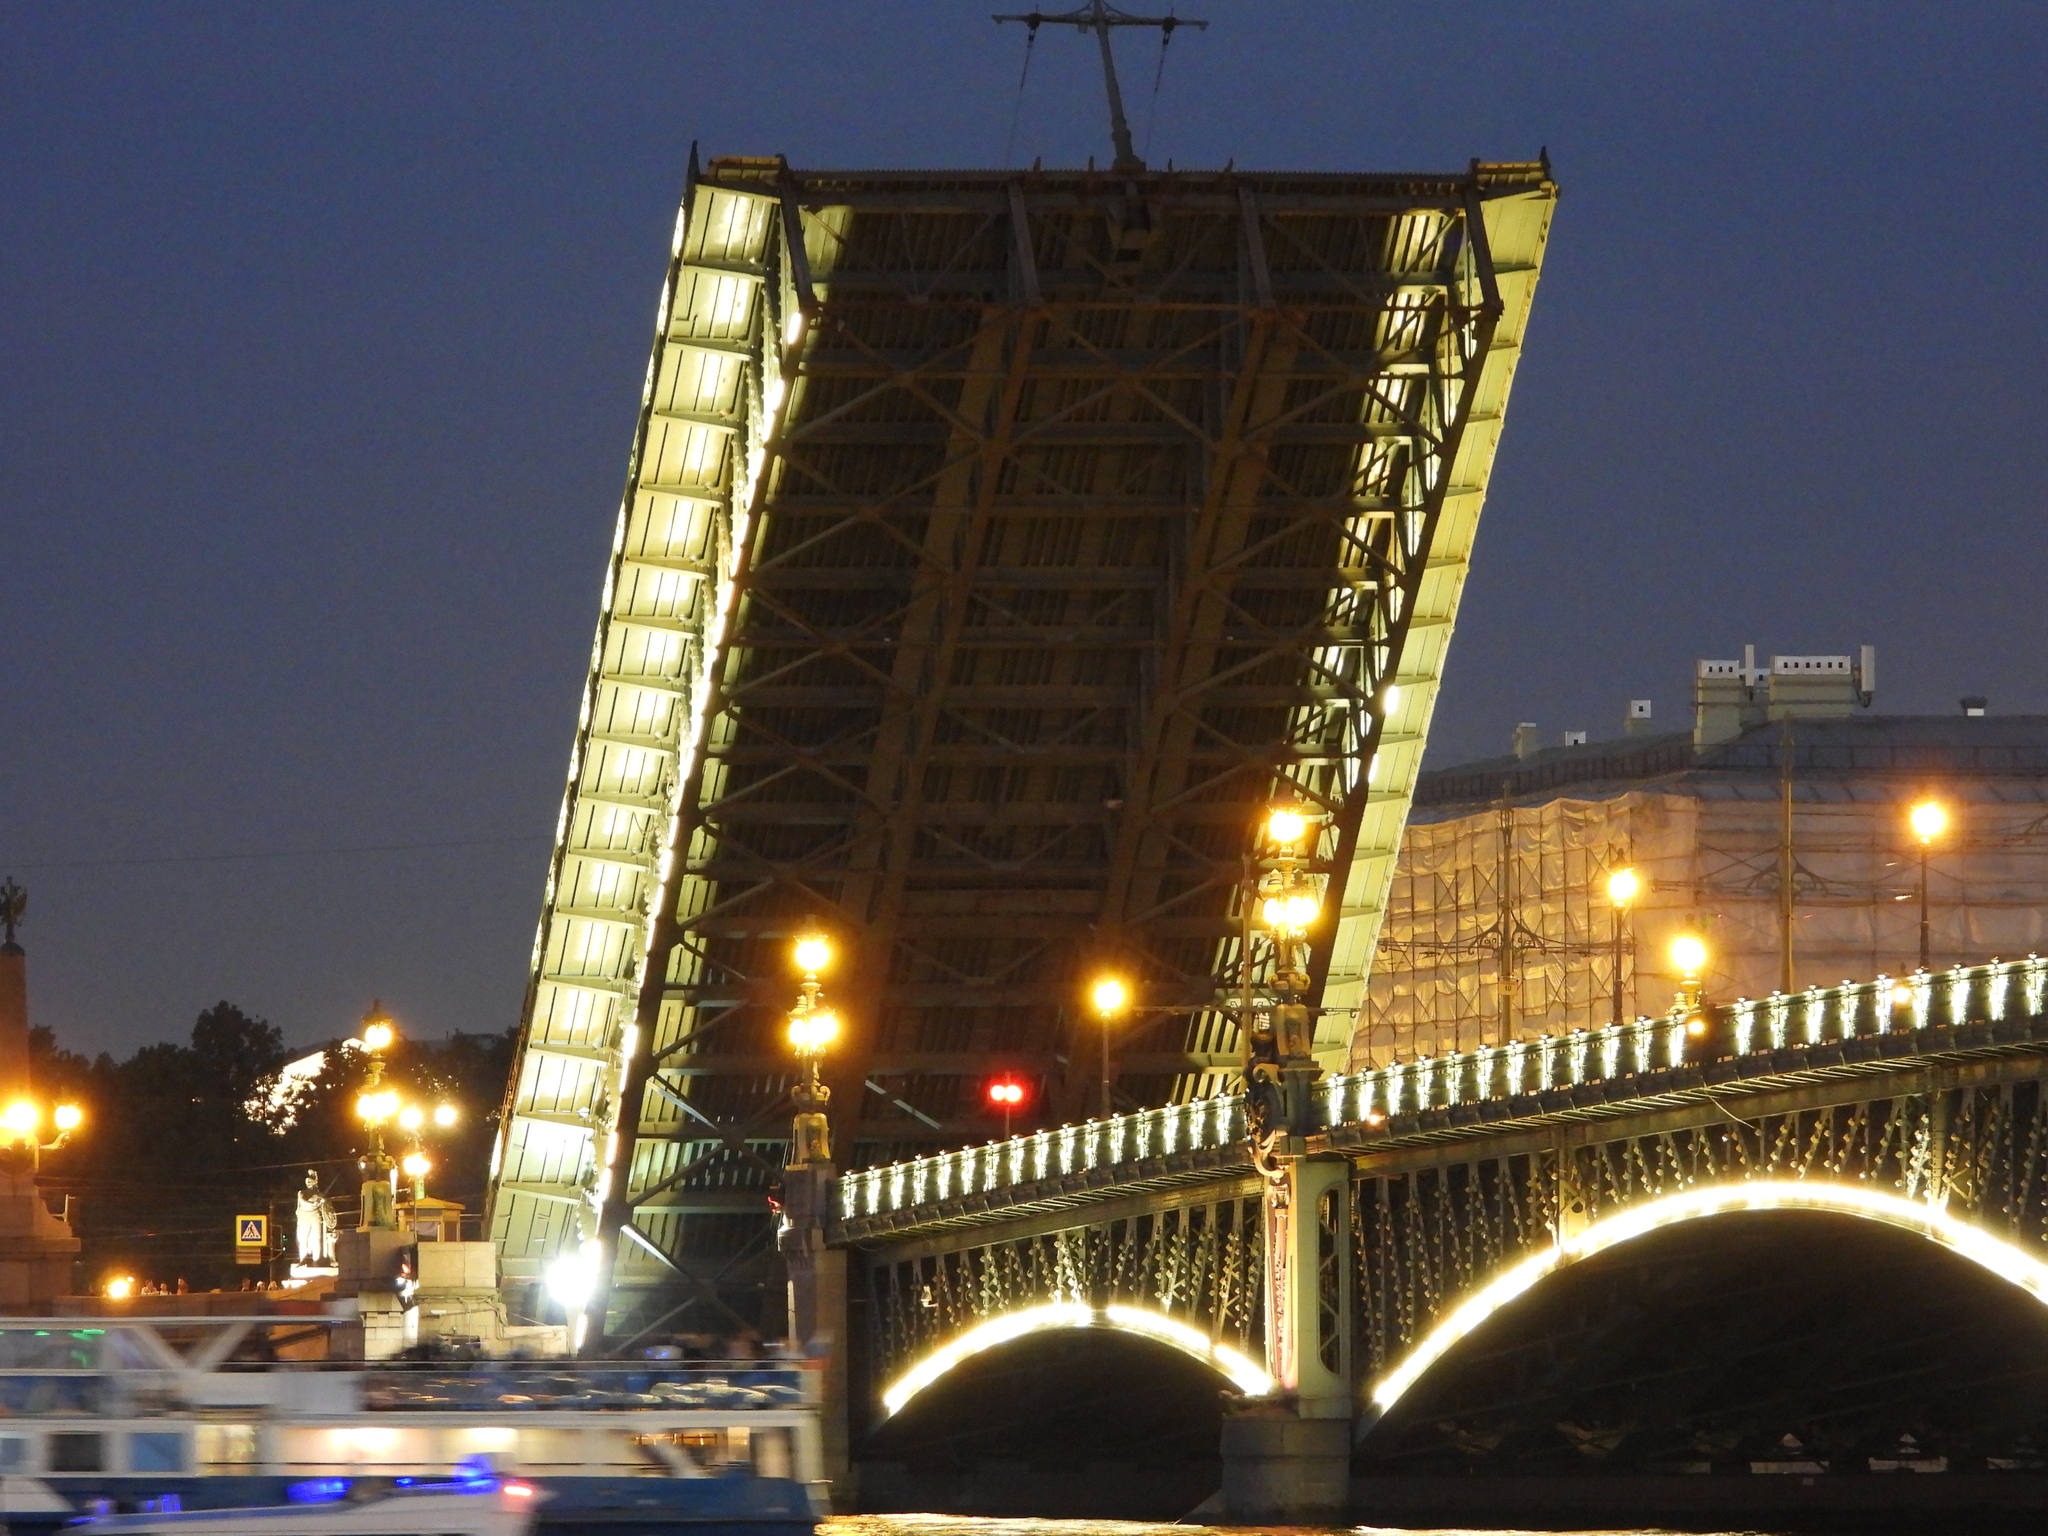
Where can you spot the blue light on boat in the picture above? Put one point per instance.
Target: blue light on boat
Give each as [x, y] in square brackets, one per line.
[318, 1490]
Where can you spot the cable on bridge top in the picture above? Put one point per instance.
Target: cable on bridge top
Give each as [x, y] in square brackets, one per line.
[1098, 16]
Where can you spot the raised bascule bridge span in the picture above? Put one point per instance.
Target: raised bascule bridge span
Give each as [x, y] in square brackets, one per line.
[1433, 1194]
[995, 544]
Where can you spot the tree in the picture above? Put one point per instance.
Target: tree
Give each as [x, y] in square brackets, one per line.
[180, 1139]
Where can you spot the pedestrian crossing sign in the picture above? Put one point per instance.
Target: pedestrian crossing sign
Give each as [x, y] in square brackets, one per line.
[252, 1231]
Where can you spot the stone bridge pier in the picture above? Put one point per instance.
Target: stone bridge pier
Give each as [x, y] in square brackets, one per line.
[1322, 1274]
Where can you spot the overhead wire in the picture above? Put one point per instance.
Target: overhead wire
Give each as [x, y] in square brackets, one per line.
[1017, 108]
[280, 853]
[1158, 75]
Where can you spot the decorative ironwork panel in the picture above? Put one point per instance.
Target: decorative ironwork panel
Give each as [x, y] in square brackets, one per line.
[1198, 1264]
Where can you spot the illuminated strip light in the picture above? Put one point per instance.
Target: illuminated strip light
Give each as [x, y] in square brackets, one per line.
[1244, 1374]
[1995, 1254]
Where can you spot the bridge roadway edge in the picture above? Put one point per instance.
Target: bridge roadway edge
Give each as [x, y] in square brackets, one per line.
[1805, 1077]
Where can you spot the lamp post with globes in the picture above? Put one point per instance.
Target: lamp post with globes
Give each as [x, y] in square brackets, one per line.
[817, 1272]
[1623, 886]
[1277, 1034]
[414, 1119]
[1689, 956]
[1929, 819]
[1304, 1196]
[812, 1029]
[376, 1106]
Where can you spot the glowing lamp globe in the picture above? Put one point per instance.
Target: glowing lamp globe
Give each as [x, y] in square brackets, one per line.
[378, 1034]
[1285, 827]
[20, 1117]
[1929, 820]
[1689, 953]
[1109, 996]
[411, 1117]
[69, 1117]
[417, 1165]
[444, 1114]
[811, 1033]
[571, 1280]
[813, 953]
[1623, 886]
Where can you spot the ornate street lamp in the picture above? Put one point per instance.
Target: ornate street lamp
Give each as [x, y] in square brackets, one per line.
[415, 1119]
[1689, 957]
[1929, 819]
[1279, 1040]
[375, 1105]
[21, 1133]
[812, 1029]
[1623, 886]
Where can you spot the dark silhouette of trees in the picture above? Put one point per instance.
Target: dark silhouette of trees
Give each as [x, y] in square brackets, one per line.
[181, 1139]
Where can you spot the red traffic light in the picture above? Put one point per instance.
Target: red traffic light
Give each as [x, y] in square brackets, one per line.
[1006, 1093]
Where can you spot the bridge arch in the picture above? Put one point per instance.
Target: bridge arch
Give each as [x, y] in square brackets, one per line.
[1243, 1372]
[2002, 1258]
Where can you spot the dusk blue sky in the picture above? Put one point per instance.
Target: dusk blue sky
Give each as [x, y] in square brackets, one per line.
[322, 331]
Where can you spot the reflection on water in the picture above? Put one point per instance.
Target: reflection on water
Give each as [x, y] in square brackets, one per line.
[996, 1525]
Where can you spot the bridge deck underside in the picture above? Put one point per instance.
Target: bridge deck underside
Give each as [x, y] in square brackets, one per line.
[1027, 530]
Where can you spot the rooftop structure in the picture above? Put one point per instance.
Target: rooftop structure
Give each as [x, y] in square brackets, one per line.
[1785, 772]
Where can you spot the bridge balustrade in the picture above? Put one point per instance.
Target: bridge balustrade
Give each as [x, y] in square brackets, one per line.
[1493, 1074]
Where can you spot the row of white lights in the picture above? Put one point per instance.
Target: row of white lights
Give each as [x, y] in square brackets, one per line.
[1554, 1061]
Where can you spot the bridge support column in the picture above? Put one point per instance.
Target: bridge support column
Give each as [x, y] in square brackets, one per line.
[1289, 1458]
[817, 1308]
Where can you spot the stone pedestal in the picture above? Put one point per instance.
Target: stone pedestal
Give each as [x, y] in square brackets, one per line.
[1282, 1468]
[458, 1293]
[368, 1259]
[36, 1248]
[817, 1307]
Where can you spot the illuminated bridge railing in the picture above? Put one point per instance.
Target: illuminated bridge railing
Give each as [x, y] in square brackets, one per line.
[1122, 1141]
[1634, 1057]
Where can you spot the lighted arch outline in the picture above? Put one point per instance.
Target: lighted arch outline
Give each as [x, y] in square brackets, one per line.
[1973, 1243]
[1244, 1374]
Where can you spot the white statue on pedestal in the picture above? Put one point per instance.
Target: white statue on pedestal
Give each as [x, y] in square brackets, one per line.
[316, 1226]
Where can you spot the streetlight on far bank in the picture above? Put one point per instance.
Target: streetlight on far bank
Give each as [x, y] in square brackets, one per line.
[1928, 819]
[1623, 886]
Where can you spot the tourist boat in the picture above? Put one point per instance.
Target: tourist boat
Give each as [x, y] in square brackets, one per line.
[474, 1502]
[120, 1415]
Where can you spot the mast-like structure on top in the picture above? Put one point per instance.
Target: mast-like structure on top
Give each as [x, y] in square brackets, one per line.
[1098, 17]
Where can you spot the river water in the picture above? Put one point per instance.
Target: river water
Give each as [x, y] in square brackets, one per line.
[995, 1525]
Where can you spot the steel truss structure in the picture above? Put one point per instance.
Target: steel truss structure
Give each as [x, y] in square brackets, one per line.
[993, 544]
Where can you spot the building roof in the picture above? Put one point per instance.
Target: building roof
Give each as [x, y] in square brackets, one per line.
[1880, 748]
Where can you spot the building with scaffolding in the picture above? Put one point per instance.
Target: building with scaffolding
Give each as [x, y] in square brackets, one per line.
[1776, 829]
